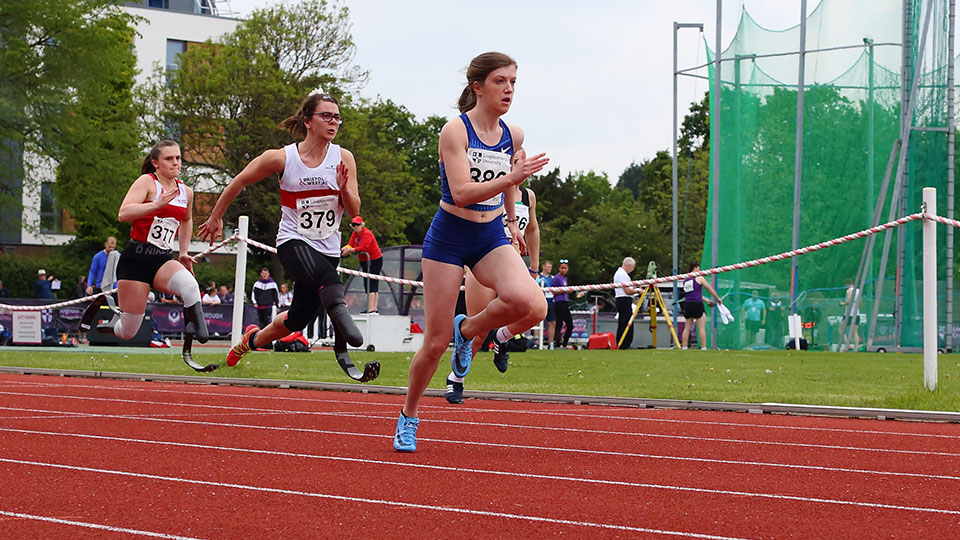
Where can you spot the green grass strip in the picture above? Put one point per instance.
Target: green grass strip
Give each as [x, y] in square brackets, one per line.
[893, 381]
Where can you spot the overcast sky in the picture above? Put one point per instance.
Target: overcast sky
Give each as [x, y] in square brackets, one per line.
[594, 81]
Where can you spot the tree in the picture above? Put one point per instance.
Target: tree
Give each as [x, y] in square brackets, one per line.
[391, 148]
[100, 147]
[226, 99]
[53, 109]
[631, 178]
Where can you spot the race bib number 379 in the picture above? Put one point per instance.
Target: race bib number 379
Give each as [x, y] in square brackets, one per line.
[317, 217]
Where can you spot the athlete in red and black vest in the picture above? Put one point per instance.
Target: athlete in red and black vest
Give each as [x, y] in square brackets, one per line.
[158, 206]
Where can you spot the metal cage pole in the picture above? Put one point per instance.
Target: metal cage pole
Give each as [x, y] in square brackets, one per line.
[715, 148]
[676, 262]
[798, 162]
[951, 126]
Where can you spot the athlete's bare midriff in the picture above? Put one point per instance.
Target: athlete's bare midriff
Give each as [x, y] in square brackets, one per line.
[471, 215]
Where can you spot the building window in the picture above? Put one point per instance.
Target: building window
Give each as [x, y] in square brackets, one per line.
[174, 48]
[161, 4]
[50, 218]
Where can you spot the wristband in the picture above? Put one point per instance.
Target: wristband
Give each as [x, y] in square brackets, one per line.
[532, 271]
[508, 220]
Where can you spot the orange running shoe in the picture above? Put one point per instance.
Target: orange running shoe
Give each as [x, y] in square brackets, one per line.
[242, 348]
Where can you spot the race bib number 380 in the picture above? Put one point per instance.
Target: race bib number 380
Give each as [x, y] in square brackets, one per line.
[487, 165]
[162, 231]
[317, 217]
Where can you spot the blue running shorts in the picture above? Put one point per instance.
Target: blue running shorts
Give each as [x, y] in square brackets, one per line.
[460, 242]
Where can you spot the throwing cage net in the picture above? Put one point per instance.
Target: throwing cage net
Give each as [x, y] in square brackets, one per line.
[857, 80]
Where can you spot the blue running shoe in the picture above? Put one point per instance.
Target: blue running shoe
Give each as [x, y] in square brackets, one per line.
[462, 349]
[406, 438]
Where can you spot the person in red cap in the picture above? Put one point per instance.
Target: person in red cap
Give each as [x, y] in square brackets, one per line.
[364, 244]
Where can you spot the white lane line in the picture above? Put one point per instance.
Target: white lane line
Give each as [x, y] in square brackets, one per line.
[524, 427]
[546, 448]
[461, 470]
[385, 502]
[88, 525]
[470, 410]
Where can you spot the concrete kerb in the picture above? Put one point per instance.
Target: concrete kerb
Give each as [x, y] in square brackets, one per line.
[643, 403]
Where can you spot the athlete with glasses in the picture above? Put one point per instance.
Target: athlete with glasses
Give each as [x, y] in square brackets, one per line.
[481, 163]
[318, 181]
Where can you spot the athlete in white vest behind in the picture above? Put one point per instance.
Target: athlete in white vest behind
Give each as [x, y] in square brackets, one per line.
[318, 182]
[477, 296]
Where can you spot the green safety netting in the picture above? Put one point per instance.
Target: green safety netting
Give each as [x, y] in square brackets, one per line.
[852, 108]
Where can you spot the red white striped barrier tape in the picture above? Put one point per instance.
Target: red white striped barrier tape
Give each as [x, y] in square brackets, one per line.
[75, 301]
[572, 288]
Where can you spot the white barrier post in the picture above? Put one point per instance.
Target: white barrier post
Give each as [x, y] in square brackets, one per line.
[930, 290]
[795, 329]
[239, 292]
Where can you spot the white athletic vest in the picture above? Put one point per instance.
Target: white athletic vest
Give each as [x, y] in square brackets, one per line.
[522, 210]
[310, 202]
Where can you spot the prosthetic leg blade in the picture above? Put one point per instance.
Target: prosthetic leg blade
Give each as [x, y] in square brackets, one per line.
[194, 323]
[90, 313]
[188, 356]
[371, 370]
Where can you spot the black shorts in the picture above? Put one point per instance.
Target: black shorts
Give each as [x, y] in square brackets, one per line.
[141, 262]
[692, 310]
[371, 267]
[311, 270]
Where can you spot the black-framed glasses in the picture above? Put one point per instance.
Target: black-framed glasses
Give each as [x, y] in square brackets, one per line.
[564, 261]
[328, 116]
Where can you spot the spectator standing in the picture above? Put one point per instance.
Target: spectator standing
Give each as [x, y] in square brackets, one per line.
[693, 312]
[811, 320]
[42, 287]
[210, 297]
[167, 298]
[776, 314]
[364, 244]
[226, 296]
[852, 312]
[81, 289]
[286, 296]
[4, 292]
[624, 298]
[545, 279]
[264, 296]
[755, 315]
[561, 305]
[98, 265]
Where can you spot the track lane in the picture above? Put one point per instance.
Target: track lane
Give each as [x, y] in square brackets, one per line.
[307, 413]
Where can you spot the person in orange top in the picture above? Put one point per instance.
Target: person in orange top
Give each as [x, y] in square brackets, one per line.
[364, 244]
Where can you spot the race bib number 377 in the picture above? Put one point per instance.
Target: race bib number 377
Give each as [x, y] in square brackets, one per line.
[162, 231]
[317, 217]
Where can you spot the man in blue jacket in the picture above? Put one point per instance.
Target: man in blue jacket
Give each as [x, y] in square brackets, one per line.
[97, 266]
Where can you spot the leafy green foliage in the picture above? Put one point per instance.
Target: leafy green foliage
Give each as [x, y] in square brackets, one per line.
[66, 69]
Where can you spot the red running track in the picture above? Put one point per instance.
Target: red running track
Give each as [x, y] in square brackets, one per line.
[91, 458]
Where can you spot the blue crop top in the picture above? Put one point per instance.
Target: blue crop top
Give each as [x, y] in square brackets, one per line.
[486, 163]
